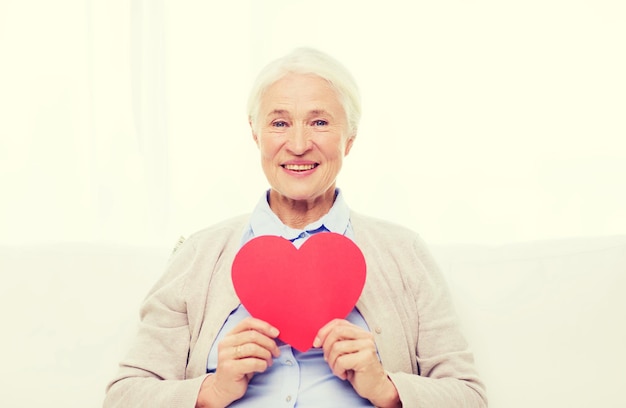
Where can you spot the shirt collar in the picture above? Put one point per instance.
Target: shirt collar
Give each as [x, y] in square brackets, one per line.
[264, 222]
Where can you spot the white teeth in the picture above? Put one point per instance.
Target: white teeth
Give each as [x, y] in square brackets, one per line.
[299, 167]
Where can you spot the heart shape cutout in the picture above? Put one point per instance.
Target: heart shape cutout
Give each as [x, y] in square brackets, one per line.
[298, 291]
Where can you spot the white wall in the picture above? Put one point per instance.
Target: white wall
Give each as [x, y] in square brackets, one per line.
[483, 121]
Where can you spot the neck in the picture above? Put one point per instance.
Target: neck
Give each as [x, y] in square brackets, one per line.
[299, 213]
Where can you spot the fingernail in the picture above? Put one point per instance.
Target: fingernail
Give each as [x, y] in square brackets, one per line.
[274, 331]
[317, 342]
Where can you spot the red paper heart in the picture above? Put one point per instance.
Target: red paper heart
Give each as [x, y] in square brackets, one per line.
[299, 291]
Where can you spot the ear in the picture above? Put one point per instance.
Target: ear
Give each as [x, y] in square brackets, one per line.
[254, 135]
[349, 144]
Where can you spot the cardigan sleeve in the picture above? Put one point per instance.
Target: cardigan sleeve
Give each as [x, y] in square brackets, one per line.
[153, 372]
[407, 301]
[446, 376]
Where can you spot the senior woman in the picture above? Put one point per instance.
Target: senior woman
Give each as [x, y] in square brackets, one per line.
[197, 345]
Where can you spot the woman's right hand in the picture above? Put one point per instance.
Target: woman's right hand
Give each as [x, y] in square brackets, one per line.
[247, 349]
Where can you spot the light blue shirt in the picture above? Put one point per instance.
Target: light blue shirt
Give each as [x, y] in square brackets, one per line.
[296, 379]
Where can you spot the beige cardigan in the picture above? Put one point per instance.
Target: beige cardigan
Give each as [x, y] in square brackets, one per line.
[405, 302]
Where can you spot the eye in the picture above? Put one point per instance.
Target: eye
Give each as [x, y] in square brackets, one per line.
[320, 122]
[279, 124]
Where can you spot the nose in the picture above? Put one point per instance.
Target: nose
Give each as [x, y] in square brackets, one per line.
[299, 141]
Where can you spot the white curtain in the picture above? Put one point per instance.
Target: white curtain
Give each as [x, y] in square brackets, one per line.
[84, 134]
[124, 121]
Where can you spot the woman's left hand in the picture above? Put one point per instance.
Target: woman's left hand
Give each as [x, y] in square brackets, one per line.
[351, 354]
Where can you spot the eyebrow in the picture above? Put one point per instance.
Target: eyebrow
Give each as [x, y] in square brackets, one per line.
[278, 112]
[312, 112]
[320, 112]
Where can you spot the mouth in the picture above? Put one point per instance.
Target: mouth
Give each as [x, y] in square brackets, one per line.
[299, 167]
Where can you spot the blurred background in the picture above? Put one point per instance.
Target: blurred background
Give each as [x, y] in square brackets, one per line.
[483, 122]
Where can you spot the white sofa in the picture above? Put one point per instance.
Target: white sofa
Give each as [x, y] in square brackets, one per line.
[546, 319]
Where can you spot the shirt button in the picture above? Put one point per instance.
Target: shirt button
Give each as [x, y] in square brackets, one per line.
[288, 399]
[378, 330]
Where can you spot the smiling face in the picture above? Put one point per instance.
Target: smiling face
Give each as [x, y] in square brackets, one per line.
[302, 134]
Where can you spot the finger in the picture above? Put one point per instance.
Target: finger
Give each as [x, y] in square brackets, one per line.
[351, 355]
[260, 339]
[251, 350]
[341, 333]
[328, 328]
[241, 368]
[247, 344]
[250, 323]
[252, 331]
[239, 362]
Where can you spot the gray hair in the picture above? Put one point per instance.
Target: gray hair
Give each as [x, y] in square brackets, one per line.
[309, 61]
